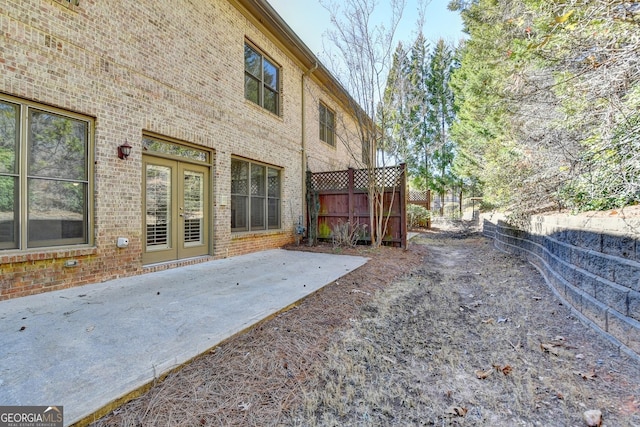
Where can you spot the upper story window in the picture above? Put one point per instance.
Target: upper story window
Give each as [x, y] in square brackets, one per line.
[45, 176]
[261, 80]
[327, 125]
[255, 196]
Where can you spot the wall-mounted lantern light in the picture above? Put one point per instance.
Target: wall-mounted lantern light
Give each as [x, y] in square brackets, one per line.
[124, 151]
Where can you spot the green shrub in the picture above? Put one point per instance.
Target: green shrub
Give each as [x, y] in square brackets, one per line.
[417, 216]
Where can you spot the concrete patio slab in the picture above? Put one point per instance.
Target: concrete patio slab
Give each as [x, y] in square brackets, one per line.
[84, 348]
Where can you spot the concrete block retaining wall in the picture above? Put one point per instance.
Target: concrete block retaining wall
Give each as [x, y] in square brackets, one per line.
[591, 263]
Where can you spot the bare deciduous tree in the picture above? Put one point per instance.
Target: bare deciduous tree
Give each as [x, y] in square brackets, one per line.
[362, 60]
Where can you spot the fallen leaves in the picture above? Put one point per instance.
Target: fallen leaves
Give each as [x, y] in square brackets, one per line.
[506, 370]
[439, 360]
[457, 411]
[557, 347]
[484, 374]
[587, 376]
[550, 348]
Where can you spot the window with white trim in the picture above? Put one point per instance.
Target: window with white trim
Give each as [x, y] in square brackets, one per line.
[255, 196]
[45, 172]
[261, 79]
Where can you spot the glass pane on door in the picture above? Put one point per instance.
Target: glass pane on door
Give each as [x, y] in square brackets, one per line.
[176, 210]
[158, 203]
[194, 209]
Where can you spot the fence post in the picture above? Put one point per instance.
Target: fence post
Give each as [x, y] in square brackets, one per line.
[351, 185]
[403, 205]
[428, 196]
[313, 207]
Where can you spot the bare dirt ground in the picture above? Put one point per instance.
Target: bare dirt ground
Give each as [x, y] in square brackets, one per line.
[449, 332]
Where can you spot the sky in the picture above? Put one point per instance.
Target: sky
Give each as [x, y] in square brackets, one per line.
[309, 20]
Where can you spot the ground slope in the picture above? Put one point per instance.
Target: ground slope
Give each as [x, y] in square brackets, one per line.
[449, 332]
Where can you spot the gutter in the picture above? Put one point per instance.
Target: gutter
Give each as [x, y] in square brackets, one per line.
[303, 140]
[264, 15]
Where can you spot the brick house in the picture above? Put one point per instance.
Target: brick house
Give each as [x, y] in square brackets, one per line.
[224, 109]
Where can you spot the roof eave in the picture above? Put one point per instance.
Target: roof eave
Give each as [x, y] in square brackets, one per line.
[267, 16]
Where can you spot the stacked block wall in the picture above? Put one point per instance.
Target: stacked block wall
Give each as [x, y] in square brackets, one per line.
[592, 264]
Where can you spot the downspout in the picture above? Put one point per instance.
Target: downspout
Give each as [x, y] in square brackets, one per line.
[303, 142]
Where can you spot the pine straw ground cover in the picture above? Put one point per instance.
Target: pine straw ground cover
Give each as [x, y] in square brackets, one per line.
[449, 332]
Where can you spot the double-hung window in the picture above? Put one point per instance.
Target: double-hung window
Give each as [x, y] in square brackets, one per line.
[44, 176]
[261, 80]
[327, 125]
[255, 196]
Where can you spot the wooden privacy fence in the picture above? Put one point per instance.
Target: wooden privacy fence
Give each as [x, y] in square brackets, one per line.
[343, 198]
[421, 198]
